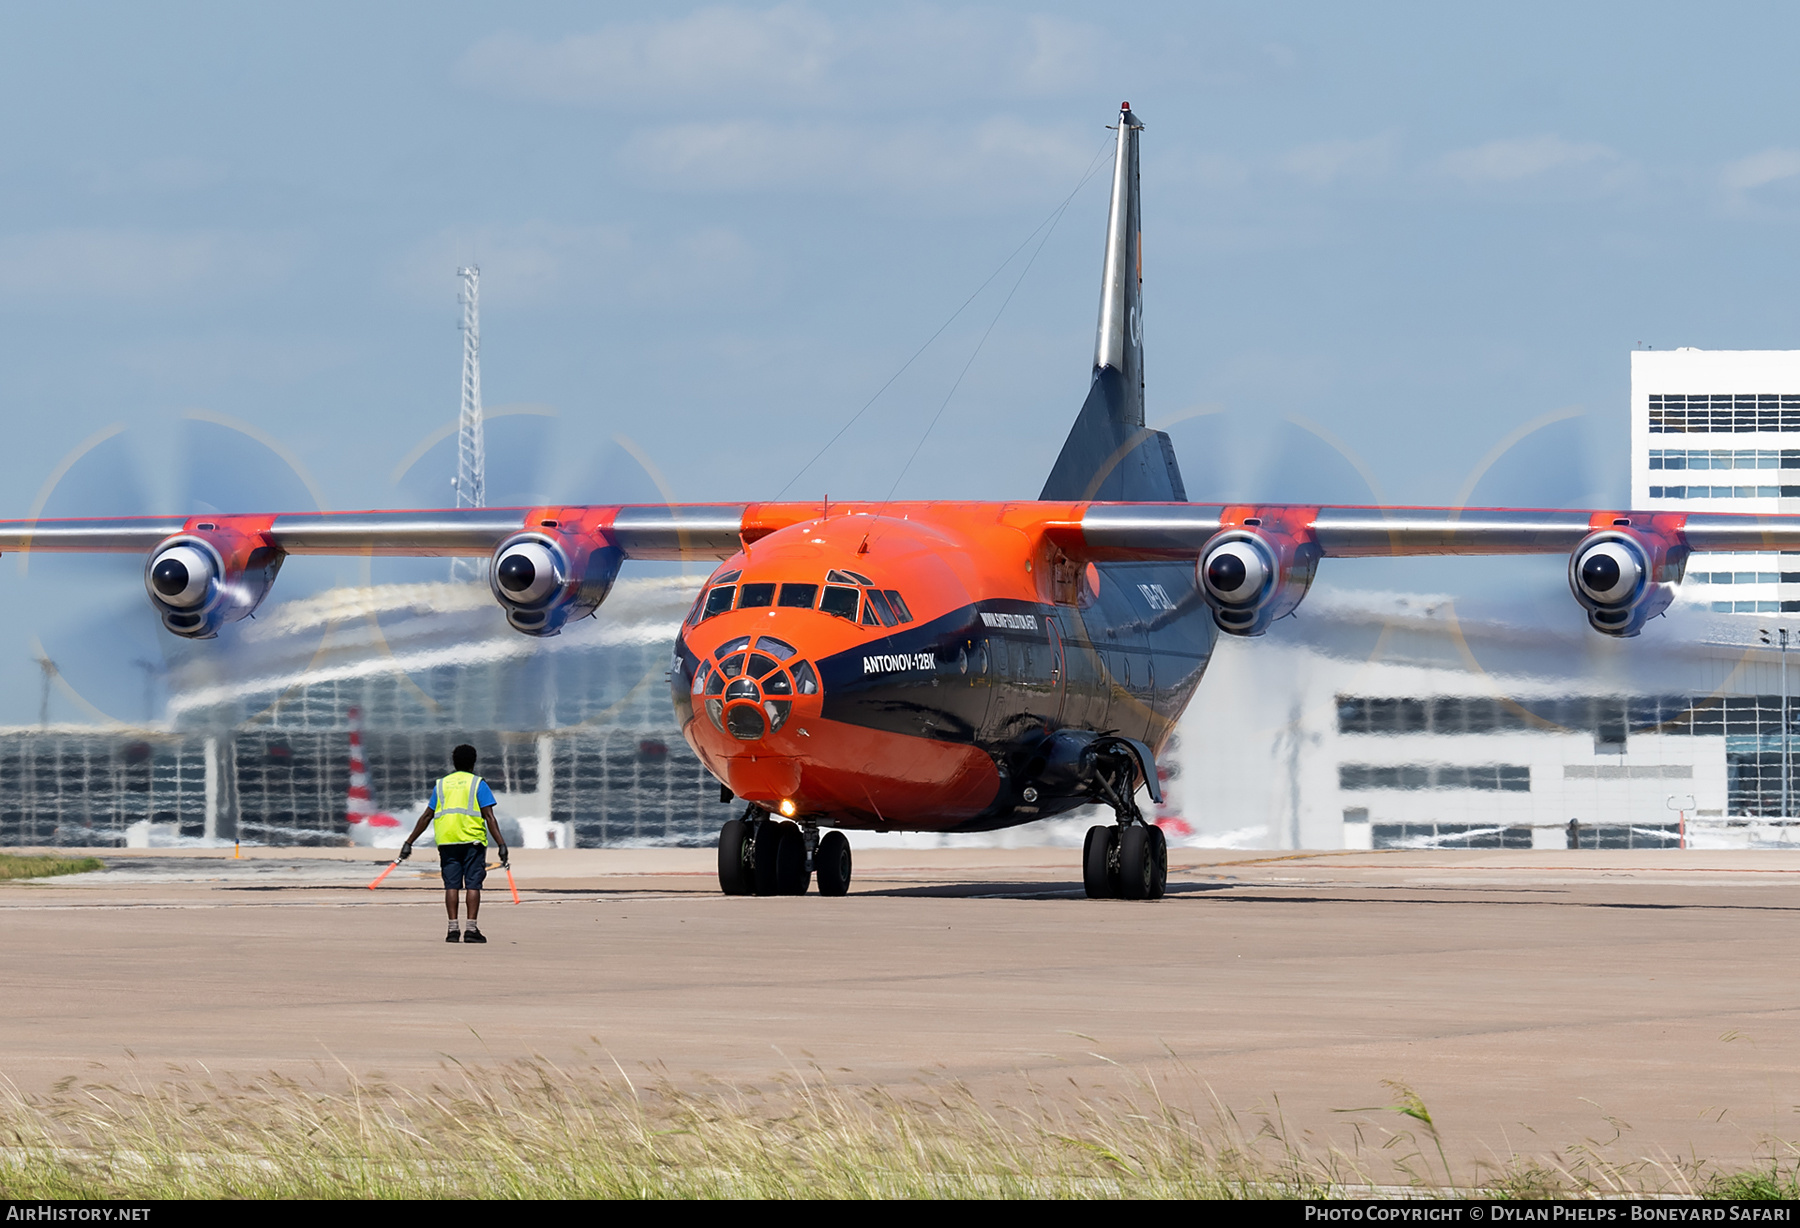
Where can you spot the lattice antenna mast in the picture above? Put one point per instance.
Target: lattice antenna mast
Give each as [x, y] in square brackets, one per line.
[471, 447]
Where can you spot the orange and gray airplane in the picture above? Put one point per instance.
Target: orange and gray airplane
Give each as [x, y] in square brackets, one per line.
[937, 666]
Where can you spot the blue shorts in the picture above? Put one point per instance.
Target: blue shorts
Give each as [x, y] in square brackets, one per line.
[464, 866]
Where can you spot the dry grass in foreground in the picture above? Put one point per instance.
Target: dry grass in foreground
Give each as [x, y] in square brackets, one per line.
[14, 866]
[535, 1131]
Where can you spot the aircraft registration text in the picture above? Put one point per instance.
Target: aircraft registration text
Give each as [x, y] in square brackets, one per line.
[895, 662]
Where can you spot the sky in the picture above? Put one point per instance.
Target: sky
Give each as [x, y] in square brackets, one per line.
[1378, 239]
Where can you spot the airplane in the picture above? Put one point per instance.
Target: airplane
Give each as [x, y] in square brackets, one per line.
[938, 666]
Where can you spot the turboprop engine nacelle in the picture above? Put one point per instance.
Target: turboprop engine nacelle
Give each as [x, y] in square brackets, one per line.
[1623, 577]
[200, 580]
[543, 578]
[1255, 574]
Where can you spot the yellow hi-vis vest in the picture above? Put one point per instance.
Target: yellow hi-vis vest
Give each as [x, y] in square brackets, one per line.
[457, 816]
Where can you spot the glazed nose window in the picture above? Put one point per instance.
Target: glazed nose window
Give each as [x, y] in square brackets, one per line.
[759, 665]
[744, 722]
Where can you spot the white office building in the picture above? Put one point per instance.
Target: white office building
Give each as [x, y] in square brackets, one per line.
[1387, 721]
[1719, 431]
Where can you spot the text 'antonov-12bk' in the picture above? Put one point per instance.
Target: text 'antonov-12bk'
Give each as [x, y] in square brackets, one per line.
[937, 666]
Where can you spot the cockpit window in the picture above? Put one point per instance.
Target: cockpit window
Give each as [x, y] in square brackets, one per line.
[846, 577]
[879, 601]
[799, 596]
[730, 646]
[727, 577]
[900, 610]
[839, 601]
[718, 600]
[781, 650]
[752, 595]
[870, 619]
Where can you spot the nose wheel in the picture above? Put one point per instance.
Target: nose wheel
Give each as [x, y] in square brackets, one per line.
[737, 854]
[759, 855]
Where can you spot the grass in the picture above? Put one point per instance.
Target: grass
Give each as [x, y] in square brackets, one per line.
[13, 866]
[532, 1130]
[1756, 1184]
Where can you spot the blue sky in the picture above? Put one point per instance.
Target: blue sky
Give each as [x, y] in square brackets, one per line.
[1377, 239]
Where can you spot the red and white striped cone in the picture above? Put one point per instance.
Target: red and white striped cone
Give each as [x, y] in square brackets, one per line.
[361, 806]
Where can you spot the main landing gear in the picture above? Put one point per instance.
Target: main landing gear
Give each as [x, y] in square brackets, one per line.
[760, 855]
[1129, 860]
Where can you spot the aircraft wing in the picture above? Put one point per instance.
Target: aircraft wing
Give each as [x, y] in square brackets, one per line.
[1126, 531]
[653, 531]
[1254, 561]
[1095, 531]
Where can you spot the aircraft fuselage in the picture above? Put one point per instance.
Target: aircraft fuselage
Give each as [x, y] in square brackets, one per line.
[811, 692]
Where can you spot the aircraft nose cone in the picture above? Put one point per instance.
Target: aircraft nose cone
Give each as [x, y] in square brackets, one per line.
[747, 685]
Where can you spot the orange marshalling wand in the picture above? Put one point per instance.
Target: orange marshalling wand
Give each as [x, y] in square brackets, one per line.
[395, 862]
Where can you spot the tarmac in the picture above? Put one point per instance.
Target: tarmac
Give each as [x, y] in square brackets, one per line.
[1636, 1004]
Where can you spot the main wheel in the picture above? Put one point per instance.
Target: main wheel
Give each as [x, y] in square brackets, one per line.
[765, 879]
[791, 875]
[1143, 863]
[1098, 874]
[832, 862]
[737, 873]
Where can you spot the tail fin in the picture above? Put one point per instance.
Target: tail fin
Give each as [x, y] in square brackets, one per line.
[1110, 455]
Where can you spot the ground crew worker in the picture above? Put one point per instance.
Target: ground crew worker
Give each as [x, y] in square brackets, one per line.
[461, 813]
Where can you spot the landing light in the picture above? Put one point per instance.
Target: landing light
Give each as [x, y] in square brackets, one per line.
[787, 808]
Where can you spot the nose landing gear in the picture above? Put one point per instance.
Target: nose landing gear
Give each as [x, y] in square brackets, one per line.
[760, 855]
